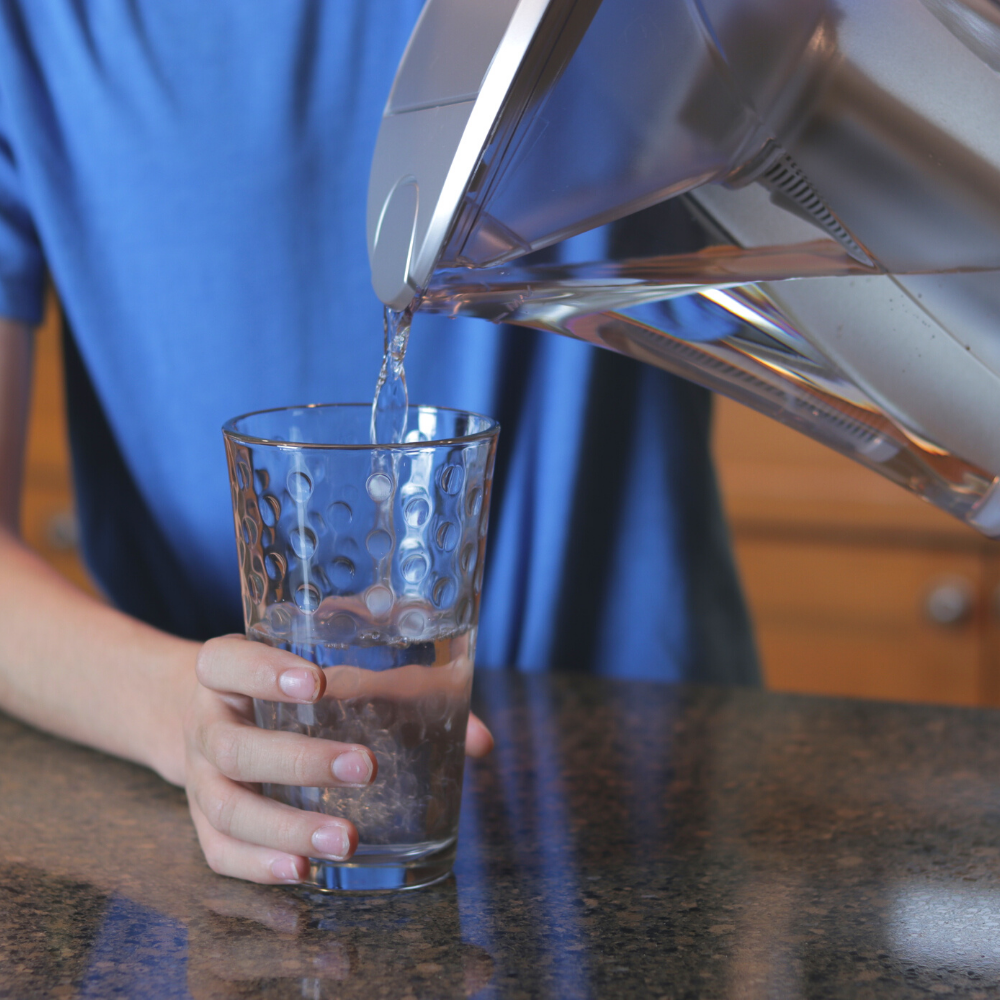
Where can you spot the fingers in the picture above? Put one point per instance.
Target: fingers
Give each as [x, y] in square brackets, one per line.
[478, 739]
[246, 819]
[229, 857]
[236, 859]
[244, 753]
[232, 664]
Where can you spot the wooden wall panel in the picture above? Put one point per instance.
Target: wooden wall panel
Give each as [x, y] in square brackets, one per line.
[48, 523]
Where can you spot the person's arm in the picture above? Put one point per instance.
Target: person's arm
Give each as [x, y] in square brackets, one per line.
[68, 663]
[76, 667]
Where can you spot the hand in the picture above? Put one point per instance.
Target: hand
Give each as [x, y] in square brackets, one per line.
[243, 834]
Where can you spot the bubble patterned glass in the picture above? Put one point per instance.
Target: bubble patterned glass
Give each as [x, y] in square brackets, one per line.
[368, 561]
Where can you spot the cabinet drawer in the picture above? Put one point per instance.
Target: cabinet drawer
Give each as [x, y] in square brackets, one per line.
[859, 620]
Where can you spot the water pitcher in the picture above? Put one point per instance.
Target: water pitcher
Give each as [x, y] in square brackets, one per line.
[841, 161]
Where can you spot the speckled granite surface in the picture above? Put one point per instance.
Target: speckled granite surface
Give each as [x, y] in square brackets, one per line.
[625, 840]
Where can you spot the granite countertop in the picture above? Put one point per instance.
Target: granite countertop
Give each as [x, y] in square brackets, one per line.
[625, 839]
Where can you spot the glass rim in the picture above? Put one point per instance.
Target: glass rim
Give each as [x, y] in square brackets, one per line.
[230, 431]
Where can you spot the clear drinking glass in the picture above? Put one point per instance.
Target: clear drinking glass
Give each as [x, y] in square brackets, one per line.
[368, 561]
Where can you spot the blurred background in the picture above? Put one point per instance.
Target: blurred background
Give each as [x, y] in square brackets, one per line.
[856, 587]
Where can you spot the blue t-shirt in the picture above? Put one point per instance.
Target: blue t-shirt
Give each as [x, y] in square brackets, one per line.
[193, 176]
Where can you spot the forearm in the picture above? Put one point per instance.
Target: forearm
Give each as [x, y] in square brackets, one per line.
[68, 663]
[76, 667]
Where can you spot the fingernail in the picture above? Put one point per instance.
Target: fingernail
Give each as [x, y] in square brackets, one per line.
[298, 683]
[285, 869]
[353, 768]
[332, 841]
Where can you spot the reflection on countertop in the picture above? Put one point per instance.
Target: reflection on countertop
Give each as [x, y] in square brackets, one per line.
[625, 839]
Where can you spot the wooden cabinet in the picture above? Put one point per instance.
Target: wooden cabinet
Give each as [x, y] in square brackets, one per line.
[856, 586]
[48, 523]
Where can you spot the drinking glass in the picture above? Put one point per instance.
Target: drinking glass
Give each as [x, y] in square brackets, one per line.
[368, 561]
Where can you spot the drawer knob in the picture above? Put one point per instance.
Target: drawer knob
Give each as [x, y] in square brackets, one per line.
[949, 602]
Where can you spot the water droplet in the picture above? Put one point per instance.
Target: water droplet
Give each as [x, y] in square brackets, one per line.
[417, 511]
[451, 478]
[341, 573]
[414, 568]
[339, 515]
[412, 623]
[474, 502]
[303, 542]
[270, 510]
[256, 586]
[299, 485]
[249, 531]
[468, 558]
[378, 600]
[379, 487]
[307, 597]
[379, 543]
[444, 592]
[275, 565]
[446, 536]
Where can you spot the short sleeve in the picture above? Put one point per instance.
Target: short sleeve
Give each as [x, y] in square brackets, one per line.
[22, 264]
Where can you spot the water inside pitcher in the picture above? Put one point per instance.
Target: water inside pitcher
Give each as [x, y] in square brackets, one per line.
[713, 316]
